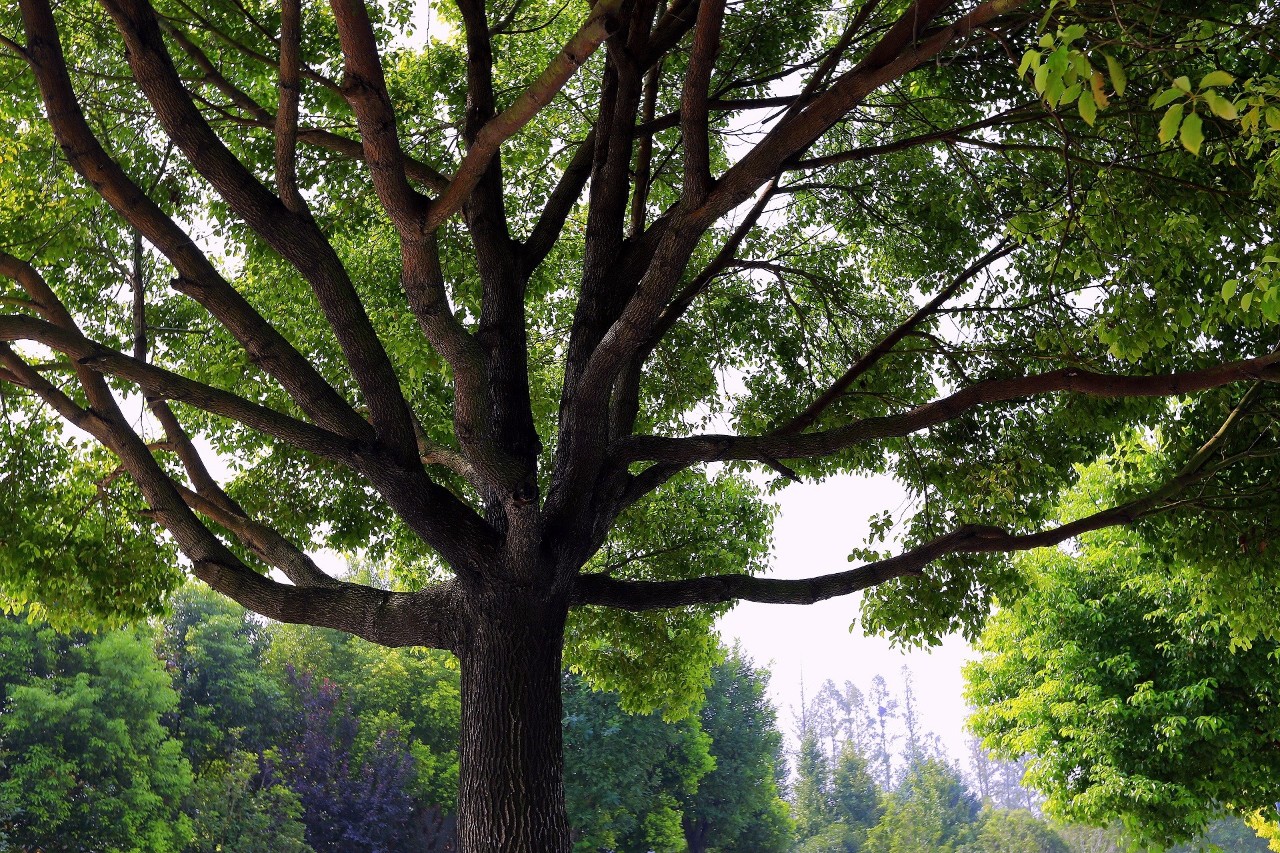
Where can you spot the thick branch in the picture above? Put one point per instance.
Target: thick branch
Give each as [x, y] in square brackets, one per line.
[296, 238]
[158, 382]
[287, 113]
[198, 278]
[425, 618]
[693, 102]
[365, 88]
[971, 539]
[708, 448]
[601, 22]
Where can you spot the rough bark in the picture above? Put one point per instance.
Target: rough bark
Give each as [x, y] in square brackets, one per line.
[511, 778]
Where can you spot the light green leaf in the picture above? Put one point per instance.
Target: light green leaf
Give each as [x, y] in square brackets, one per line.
[1183, 83]
[1030, 59]
[1192, 134]
[1220, 106]
[1116, 71]
[1075, 32]
[1168, 96]
[1246, 301]
[1042, 78]
[1169, 124]
[1088, 108]
[1216, 78]
[1229, 288]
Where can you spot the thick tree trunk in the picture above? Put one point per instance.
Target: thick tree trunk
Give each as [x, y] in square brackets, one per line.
[511, 785]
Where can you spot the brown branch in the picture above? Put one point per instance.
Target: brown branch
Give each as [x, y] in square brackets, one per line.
[814, 410]
[158, 382]
[1014, 115]
[365, 88]
[416, 170]
[424, 618]
[644, 154]
[599, 589]
[198, 278]
[295, 238]
[709, 448]
[286, 128]
[272, 548]
[559, 205]
[601, 22]
[694, 126]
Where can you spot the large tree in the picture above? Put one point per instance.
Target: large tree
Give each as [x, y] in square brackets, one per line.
[514, 307]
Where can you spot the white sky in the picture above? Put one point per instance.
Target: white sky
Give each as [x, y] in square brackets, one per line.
[817, 527]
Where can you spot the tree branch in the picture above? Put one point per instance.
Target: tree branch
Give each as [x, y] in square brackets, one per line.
[601, 22]
[296, 238]
[709, 448]
[198, 278]
[287, 112]
[365, 88]
[814, 410]
[599, 589]
[694, 127]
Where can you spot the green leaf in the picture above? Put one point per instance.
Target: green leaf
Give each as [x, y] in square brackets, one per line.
[1192, 134]
[1088, 108]
[1183, 83]
[1075, 32]
[1042, 78]
[1220, 106]
[1273, 118]
[1116, 71]
[1168, 96]
[1246, 301]
[1215, 78]
[1229, 288]
[1169, 124]
[1030, 59]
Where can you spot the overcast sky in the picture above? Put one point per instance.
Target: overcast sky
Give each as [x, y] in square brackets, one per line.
[817, 527]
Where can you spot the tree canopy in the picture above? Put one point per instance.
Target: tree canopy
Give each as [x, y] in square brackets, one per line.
[1134, 699]
[534, 310]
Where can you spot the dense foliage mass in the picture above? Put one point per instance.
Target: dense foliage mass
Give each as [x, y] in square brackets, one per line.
[124, 741]
[514, 305]
[1135, 697]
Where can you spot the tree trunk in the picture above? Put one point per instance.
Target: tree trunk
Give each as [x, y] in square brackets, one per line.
[511, 775]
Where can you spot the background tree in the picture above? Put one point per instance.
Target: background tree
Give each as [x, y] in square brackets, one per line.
[1135, 701]
[628, 775]
[736, 806]
[930, 810]
[1014, 831]
[235, 806]
[411, 691]
[466, 304]
[86, 762]
[811, 799]
[361, 805]
[215, 651]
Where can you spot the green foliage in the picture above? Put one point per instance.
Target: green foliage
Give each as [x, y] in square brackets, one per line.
[233, 808]
[226, 701]
[70, 528]
[1014, 831]
[86, 762]
[736, 807]
[663, 659]
[930, 810]
[411, 691]
[625, 775]
[1137, 701]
